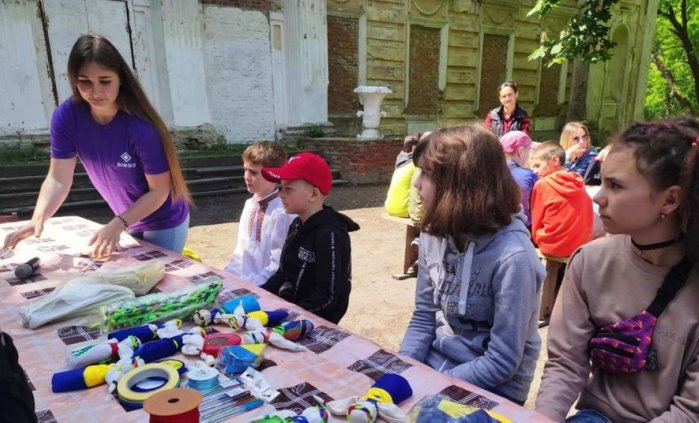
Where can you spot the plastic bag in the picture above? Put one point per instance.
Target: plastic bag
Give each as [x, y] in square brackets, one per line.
[75, 297]
[139, 277]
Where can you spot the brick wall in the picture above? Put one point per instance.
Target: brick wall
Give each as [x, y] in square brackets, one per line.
[493, 71]
[424, 96]
[359, 162]
[548, 92]
[261, 5]
[238, 63]
[342, 64]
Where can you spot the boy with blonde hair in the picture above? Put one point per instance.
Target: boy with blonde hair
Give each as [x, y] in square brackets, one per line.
[316, 264]
[263, 223]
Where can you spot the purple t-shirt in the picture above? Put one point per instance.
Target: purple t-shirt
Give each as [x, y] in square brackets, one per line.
[525, 179]
[116, 157]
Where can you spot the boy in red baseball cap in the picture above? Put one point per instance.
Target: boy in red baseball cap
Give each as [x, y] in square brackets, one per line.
[316, 263]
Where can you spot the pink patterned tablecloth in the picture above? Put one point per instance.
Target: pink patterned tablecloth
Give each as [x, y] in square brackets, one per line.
[338, 363]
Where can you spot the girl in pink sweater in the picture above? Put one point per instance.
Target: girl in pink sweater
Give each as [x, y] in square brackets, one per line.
[649, 204]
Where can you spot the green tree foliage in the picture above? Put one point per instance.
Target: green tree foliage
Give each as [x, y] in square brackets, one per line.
[674, 73]
[586, 36]
[673, 82]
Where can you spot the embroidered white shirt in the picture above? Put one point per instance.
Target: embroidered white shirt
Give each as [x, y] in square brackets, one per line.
[261, 235]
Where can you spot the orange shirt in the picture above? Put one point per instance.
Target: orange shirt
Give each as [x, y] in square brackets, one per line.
[561, 214]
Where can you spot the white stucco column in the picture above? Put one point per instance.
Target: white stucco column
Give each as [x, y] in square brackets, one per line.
[26, 98]
[182, 33]
[306, 42]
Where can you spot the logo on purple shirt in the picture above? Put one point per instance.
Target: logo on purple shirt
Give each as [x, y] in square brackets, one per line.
[126, 158]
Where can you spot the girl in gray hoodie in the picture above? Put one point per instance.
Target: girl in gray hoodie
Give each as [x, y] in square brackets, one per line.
[479, 278]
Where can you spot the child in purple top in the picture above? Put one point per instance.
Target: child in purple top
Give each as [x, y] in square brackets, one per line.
[125, 148]
[518, 146]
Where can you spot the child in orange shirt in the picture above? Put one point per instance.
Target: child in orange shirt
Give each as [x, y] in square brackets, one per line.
[561, 209]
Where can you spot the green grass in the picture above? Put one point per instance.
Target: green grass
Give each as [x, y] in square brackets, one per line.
[227, 150]
[22, 153]
[315, 131]
[28, 153]
[215, 150]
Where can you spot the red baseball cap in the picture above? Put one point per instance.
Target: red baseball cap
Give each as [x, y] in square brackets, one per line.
[307, 166]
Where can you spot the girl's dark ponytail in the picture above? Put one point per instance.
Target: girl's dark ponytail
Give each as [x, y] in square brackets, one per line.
[690, 208]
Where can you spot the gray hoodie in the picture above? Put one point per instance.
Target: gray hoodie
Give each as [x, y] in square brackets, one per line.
[476, 312]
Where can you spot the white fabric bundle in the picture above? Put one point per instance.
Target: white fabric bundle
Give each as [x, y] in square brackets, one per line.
[75, 297]
[101, 351]
[139, 277]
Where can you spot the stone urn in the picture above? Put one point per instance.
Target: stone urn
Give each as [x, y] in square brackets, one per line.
[371, 97]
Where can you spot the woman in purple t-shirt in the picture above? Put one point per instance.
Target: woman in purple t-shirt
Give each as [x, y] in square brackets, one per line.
[126, 150]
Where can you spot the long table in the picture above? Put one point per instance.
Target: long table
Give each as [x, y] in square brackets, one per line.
[336, 365]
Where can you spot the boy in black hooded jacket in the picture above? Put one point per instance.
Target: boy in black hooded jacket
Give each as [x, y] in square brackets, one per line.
[315, 269]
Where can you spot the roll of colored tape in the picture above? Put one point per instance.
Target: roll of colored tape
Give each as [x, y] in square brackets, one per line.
[179, 405]
[149, 385]
[216, 341]
[139, 374]
[177, 364]
[202, 378]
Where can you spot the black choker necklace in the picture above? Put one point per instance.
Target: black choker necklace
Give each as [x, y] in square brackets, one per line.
[657, 245]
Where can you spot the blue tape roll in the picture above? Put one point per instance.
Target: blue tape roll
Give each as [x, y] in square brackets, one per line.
[202, 378]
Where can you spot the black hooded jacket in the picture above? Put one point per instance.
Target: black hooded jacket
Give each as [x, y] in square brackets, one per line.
[315, 269]
[16, 398]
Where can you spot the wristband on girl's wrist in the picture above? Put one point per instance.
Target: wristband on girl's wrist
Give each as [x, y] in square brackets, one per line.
[126, 225]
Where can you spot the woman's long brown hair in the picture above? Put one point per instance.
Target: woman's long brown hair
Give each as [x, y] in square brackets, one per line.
[132, 99]
[474, 190]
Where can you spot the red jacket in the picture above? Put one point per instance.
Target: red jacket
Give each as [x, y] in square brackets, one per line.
[561, 214]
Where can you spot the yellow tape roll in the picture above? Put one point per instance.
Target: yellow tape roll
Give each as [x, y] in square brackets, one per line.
[138, 374]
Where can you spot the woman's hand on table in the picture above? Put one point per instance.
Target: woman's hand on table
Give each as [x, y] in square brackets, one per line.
[106, 240]
[31, 228]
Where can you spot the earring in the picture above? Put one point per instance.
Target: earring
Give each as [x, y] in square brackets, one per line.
[663, 216]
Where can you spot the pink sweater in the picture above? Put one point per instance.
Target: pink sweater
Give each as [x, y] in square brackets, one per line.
[606, 282]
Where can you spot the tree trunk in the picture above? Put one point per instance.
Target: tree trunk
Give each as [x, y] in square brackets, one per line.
[672, 83]
[681, 29]
[577, 107]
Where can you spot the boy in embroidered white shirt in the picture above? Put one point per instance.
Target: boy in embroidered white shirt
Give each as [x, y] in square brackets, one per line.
[263, 224]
